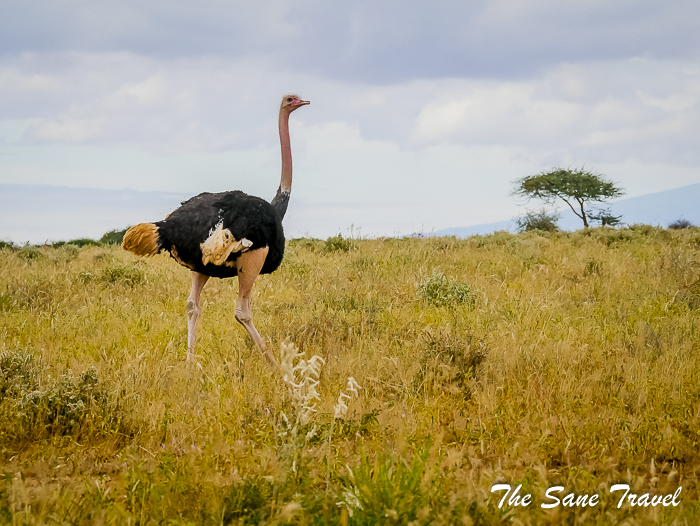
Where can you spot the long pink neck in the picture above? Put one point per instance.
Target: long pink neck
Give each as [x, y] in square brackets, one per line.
[286, 181]
[281, 199]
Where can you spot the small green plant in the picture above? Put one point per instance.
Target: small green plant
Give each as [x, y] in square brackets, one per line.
[118, 272]
[540, 220]
[338, 244]
[64, 253]
[17, 373]
[69, 406]
[30, 253]
[441, 291]
[387, 490]
[86, 276]
[248, 500]
[6, 244]
[593, 266]
[5, 302]
[296, 267]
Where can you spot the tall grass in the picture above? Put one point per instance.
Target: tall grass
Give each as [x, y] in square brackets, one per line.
[540, 359]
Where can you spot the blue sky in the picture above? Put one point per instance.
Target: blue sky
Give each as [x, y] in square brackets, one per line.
[421, 116]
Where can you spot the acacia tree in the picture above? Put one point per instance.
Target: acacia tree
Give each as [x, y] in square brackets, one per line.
[575, 187]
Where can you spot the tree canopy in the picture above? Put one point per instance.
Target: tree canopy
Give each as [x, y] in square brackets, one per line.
[576, 187]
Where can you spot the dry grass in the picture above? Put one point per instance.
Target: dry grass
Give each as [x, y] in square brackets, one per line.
[533, 359]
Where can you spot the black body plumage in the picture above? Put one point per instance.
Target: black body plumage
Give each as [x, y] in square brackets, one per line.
[246, 216]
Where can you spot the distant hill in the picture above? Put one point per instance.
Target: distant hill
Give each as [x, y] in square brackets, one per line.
[661, 208]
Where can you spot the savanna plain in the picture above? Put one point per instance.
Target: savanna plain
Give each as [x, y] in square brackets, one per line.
[532, 359]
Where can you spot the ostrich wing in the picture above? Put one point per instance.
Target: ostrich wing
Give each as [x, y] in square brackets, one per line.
[214, 229]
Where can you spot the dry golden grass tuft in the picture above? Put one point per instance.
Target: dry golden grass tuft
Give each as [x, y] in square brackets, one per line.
[534, 359]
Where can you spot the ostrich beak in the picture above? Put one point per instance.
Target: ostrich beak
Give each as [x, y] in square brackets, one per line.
[303, 102]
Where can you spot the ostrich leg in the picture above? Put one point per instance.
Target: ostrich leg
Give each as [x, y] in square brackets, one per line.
[194, 311]
[249, 265]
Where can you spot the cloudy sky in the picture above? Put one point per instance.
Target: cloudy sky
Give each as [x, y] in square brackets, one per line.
[422, 114]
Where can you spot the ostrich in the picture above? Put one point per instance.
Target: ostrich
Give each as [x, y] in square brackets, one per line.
[225, 235]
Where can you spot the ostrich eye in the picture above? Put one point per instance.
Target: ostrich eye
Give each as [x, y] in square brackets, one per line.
[289, 99]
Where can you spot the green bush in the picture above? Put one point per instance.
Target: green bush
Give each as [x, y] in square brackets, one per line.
[248, 500]
[442, 291]
[389, 490]
[69, 250]
[30, 253]
[593, 266]
[117, 272]
[17, 372]
[31, 410]
[538, 221]
[338, 244]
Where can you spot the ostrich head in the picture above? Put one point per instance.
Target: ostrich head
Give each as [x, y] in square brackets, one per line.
[292, 102]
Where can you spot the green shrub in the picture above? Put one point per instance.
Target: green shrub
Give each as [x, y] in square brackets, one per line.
[70, 406]
[593, 266]
[86, 276]
[17, 372]
[442, 291]
[338, 244]
[31, 410]
[538, 221]
[248, 500]
[118, 272]
[30, 253]
[5, 302]
[390, 490]
[296, 267]
[70, 250]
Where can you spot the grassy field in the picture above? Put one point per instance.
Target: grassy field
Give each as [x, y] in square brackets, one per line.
[539, 360]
